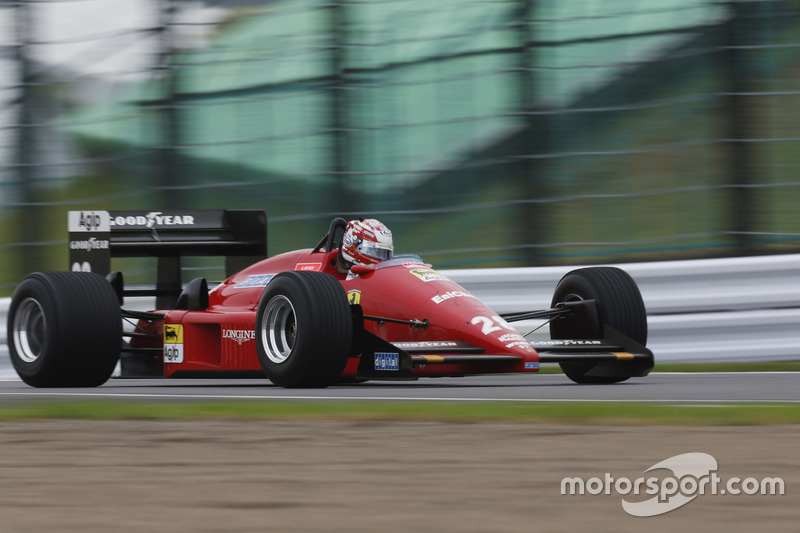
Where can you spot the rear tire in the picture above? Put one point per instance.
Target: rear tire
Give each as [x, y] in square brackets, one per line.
[304, 329]
[619, 305]
[64, 329]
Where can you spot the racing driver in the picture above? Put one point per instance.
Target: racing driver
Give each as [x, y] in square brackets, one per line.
[365, 242]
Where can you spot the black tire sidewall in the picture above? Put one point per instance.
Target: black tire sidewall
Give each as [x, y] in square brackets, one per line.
[324, 330]
[619, 305]
[292, 369]
[617, 298]
[83, 329]
[47, 365]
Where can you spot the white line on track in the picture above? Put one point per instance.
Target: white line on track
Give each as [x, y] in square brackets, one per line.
[387, 398]
[733, 373]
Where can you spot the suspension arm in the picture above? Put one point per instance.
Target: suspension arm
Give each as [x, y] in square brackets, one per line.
[531, 315]
[414, 323]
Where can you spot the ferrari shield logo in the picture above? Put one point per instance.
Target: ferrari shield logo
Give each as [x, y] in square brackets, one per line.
[354, 297]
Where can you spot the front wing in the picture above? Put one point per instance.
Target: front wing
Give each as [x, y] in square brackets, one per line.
[409, 360]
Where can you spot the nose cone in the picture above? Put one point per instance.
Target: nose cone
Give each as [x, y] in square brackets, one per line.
[464, 317]
[411, 290]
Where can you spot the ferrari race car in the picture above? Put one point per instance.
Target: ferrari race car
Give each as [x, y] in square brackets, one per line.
[294, 317]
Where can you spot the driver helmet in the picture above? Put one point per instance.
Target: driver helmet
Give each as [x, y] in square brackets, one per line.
[366, 242]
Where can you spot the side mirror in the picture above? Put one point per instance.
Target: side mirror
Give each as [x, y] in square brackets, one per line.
[362, 270]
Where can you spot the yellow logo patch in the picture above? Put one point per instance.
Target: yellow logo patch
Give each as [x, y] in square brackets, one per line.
[173, 334]
[427, 274]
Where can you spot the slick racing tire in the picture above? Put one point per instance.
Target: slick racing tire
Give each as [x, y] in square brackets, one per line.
[304, 330]
[64, 329]
[619, 305]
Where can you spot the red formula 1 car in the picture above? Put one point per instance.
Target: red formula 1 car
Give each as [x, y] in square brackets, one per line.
[294, 317]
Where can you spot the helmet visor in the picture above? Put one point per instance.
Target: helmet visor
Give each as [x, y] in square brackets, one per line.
[377, 250]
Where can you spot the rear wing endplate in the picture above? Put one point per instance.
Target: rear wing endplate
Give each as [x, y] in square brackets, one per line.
[239, 235]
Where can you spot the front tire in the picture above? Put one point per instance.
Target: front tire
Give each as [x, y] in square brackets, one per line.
[303, 329]
[64, 329]
[619, 305]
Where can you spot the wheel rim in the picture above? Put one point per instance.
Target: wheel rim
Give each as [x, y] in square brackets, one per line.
[572, 297]
[29, 330]
[278, 329]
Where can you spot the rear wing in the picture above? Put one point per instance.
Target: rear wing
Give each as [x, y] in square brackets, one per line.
[95, 237]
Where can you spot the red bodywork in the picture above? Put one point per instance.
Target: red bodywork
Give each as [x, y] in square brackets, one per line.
[222, 338]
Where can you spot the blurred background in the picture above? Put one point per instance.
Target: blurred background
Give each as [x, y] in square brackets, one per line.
[483, 132]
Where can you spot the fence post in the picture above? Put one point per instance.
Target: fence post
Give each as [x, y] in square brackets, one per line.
[740, 152]
[169, 152]
[29, 219]
[534, 142]
[339, 107]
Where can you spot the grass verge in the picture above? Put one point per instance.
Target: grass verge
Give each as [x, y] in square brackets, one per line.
[612, 413]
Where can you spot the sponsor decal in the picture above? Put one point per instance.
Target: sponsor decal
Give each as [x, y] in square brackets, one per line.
[256, 280]
[387, 361]
[173, 343]
[173, 333]
[239, 335]
[173, 353]
[525, 345]
[508, 337]
[531, 366]
[153, 219]
[439, 298]
[427, 274]
[88, 221]
[426, 344]
[89, 241]
[308, 267]
[91, 244]
[354, 297]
